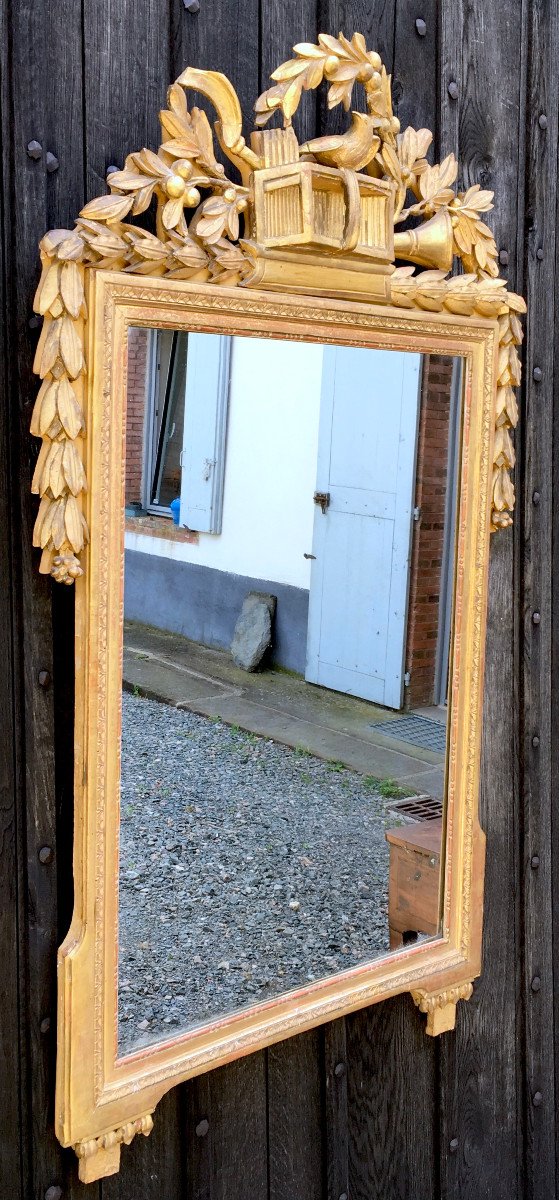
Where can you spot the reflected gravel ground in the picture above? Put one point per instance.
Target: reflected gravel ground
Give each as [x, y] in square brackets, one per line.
[247, 869]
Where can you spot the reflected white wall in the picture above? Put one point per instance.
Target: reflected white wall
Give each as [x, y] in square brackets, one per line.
[270, 470]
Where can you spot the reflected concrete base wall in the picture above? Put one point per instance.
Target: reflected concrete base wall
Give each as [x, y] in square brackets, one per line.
[203, 604]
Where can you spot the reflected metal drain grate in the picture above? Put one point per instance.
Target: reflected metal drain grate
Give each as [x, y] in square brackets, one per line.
[418, 808]
[418, 731]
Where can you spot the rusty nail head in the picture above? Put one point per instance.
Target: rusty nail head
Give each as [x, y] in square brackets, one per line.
[536, 983]
[453, 1145]
[44, 678]
[339, 1069]
[535, 740]
[52, 162]
[202, 1128]
[539, 254]
[537, 1099]
[504, 258]
[46, 854]
[537, 374]
[453, 90]
[53, 1193]
[535, 862]
[536, 618]
[421, 27]
[542, 121]
[45, 1025]
[34, 149]
[536, 497]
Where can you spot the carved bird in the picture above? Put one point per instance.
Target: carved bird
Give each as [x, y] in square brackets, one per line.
[353, 149]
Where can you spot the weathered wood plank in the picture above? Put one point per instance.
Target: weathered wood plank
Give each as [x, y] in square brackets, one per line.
[226, 1135]
[284, 23]
[127, 60]
[334, 1069]
[392, 1103]
[295, 1119]
[46, 106]
[14, 1174]
[376, 22]
[480, 1130]
[537, 546]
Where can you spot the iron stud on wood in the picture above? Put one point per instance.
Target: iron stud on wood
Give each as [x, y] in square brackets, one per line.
[536, 983]
[421, 27]
[537, 374]
[52, 162]
[46, 854]
[542, 121]
[535, 862]
[536, 618]
[453, 90]
[34, 150]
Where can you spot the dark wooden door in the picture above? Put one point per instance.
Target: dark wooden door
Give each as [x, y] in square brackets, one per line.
[367, 1108]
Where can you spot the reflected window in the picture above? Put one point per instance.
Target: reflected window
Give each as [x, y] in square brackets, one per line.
[178, 386]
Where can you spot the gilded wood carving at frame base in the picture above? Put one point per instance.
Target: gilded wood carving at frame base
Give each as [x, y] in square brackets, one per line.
[315, 260]
[99, 1157]
[440, 1007]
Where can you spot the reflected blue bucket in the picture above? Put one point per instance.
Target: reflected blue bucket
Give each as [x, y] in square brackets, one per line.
[175, 507]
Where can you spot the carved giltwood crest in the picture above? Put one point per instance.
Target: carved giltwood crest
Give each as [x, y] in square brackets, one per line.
[319, 217]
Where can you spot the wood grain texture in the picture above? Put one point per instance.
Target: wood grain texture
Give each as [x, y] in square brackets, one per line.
[46, 106]
[295, 1119]
[284, 23]
[226, 1133]
[391, 1092]
[537, 548]
[481, 1083]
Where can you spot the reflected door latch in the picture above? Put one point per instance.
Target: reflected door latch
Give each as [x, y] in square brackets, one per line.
[322, 498]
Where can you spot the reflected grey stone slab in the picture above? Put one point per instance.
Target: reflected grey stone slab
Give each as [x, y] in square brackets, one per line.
[253, 631]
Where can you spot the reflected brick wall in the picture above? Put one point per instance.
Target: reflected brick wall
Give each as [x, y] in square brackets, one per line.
[136, 400]
[428, 538]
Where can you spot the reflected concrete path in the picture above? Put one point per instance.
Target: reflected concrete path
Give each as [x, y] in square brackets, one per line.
[275, 704]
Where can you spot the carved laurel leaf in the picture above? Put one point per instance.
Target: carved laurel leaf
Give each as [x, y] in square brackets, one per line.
[71, 288]
[72, 467]
[51, 348]
[48, 289]
[71, 348]
[44, 409]
[73, 524]
[68, 409]
[108, 208]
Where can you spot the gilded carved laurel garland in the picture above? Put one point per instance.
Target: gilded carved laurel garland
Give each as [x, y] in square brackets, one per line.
[318, 217]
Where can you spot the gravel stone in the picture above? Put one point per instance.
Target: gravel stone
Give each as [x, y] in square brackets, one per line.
[247, 869]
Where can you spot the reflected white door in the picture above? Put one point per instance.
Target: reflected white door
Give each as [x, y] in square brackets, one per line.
[362, 540]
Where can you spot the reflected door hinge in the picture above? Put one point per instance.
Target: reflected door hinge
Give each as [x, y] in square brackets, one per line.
[417, 513]
[407, 679]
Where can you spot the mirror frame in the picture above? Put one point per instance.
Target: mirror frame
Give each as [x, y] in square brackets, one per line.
[99, 280]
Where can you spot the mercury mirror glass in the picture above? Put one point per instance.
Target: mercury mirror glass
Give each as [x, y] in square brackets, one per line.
[289, 565]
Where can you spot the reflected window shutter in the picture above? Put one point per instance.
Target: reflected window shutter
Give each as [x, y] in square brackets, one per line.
[205, 427]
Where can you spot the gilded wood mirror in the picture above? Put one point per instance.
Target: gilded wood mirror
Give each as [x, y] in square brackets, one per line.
[271, 463]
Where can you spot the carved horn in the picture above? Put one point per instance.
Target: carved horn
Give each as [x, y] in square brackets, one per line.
[229, 128]
[430, 245]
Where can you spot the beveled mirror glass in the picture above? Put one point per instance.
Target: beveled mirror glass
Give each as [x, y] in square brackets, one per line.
[271, 462]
